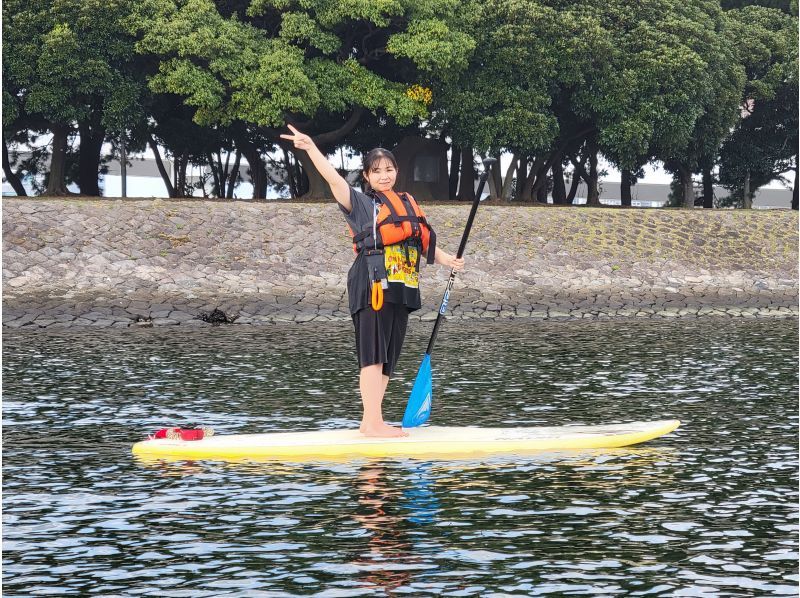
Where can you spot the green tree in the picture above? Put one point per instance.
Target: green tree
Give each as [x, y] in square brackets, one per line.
[69, 66]
[712, 106]
[557, 82]
[763, 145]
[19, 126]
[782, 5]
[16, 125]
[501, 101]
[319, 65]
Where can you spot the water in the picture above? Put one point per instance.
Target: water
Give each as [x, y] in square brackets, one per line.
[708, 510]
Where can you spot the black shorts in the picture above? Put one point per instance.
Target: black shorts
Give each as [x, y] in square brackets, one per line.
[380, 335]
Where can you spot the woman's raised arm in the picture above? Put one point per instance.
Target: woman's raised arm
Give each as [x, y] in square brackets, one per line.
[339, 186]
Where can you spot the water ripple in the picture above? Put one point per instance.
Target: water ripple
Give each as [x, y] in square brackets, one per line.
[709, 510]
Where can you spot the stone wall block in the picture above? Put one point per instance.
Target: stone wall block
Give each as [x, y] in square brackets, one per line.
[524, 259]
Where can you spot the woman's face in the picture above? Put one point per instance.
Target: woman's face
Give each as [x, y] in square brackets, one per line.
[382, 175]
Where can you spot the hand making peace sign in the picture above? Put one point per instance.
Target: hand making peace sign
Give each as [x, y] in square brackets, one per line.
[301, 140]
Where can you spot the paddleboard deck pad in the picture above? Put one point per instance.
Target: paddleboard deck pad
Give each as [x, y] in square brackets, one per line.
[421, 442]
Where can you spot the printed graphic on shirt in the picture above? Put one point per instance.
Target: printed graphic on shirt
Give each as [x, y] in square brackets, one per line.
[402, 269]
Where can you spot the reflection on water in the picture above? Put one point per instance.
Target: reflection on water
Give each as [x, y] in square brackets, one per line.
[710, 509]
[389, 556]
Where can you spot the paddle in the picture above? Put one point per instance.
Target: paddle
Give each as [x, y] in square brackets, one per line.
[418, 409]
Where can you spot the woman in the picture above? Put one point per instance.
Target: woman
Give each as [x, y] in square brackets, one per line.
[382, 284]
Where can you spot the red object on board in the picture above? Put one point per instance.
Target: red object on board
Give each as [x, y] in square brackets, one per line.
[179, 433]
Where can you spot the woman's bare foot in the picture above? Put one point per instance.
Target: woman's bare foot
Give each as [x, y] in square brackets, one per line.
[382, 430]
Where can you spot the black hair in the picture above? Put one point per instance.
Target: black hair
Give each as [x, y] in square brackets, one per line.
[374, 156]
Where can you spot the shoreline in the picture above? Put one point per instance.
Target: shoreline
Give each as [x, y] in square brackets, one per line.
[112, 317]
[141, 263]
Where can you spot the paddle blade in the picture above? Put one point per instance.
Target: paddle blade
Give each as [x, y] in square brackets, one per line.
[418, 409]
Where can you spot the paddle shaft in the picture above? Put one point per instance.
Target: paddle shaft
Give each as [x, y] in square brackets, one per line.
[443, 307]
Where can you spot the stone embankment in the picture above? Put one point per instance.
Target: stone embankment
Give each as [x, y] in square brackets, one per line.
[120, 263]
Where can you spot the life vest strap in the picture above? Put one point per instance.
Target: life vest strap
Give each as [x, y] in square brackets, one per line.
[417, 230]
[431, 246]
[358, 237]
[393, 216]
[431, 253]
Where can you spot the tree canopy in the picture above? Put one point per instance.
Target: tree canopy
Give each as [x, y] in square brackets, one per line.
[554, 83]
[763, 145]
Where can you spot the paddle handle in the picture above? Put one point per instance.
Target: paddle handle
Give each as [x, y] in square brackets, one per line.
[487, 163]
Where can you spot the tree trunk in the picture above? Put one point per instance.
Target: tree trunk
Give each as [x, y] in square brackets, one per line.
[491, 183]
[687, 188]
[183, 180]
[58, 162]
[541, 192]
[578, 173]
[258, 172]
[14, 180]
[160, 165]
[216, 173]
[318, 187]
[466, 186]
[527, 187]
[452, 181]
[593, 192]
[573, 187]
[332, 138]
[496, 174]
[123, 166]
[495, 181]
[182, 163]
[559, 189]
[796, 176]
[233, 178]
[625, 187]
[300, 179]
[539, 189]
[708, 188]
[219, 172]
[747, 196]
[290, 177]
[532, 180]
[92, 136]
[505, 194]
[522, 176]
[226, 174]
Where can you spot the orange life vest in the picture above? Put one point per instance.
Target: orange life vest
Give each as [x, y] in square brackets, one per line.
[399, 219]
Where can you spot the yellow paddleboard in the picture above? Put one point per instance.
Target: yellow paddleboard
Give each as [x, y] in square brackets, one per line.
[421, 442]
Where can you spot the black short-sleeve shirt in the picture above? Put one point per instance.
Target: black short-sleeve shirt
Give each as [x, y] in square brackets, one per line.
[358, 284]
